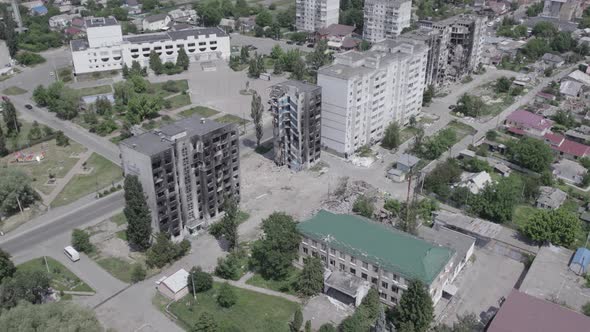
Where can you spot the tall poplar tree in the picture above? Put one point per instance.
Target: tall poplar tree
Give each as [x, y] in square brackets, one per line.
[139, 220]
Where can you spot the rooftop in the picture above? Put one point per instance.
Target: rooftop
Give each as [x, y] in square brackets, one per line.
[551, 197]
[580, 261]
[570, 88]
[550, 278]
[177, 281]
[523, 313]
[337, 30]
[550, 57]
[378, 244]
[408, 160]
[174, 35]
[93, 22]
[155, 18]
[561, 144]
[530, 120]
[300, 86]
[579, 76]
[445, 237]
[346, 283]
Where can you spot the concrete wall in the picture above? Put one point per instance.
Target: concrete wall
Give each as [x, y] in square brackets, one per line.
[335, 114]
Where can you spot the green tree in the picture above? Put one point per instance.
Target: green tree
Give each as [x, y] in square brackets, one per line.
[56, 316]
[35, 133]
[363, 206]
[559, 227]
[442, 177]
[7, 31]
[534, 9]
[156, 63]
[586, 309]
[264, 18]
[149, 5]
[371, 304]
[279, 66]
[16, 192]
[565, 119]
[428, 95]
[503, 84]
[3, 149]
[496, 201]
[465, 323]
[307, 326]
[137, 213]
[364, 46]
[391, 137]
[125, 71]
[138, 273]
[297, 321]
[202, 280]
[24, 285]
[311, 279]
[276, 52]
[40, 95]
[319, 57]
[61, 139]
[162, 252]
[230, 223]
[256, 111]
[81, 241]
[7, 268]
[229, 267]
[254, 70]
[10, 118]
[298, 70]
[415, 306]
[205, 323]
[226, 296]
[470, 105]
[393, 206]
[272, 254]
[535, 48]
[327, 328]
[244, 54]
[544, 29]
[182, 60]
[530, 153]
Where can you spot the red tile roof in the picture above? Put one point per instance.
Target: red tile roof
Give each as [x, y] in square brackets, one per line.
[561, 144]
[529, 120]
[340, 30]
[516, 131]
[524, 313]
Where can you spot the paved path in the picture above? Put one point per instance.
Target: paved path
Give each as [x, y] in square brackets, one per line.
[261, 290]
[61, 183]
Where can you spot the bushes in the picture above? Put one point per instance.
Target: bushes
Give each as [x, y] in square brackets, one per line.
[226, 297]
[163, 251]
[202, 281]
[81, 241]
[229, 267]
[29, 58]
[363, 206]
[138, 273]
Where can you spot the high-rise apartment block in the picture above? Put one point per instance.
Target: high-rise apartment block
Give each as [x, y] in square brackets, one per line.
[105, 47]
[362, 93]
[296, 108]
[312, 15]
[187, 170]
[385, 18]
[565, 10]
[456, 46]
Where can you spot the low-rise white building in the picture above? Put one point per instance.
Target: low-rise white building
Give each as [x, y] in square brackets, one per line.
[61, 21]
[107, 49]
[156, 22]
[363, 92]
[174, 287]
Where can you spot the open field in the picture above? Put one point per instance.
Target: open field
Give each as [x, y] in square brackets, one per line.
[95, 90]
[62, 279]
[287, 285]
[179, 101]
[158, 88]
[13, 91]
[104, 173]
[201, 111]
[252, 311]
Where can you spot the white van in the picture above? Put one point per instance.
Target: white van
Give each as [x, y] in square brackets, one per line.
[72, 253]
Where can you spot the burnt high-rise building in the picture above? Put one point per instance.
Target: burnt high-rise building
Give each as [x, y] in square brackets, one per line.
[187, 170]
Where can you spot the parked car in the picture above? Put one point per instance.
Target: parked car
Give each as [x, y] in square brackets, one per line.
[72, 253]
[300, 43]
[310, 45]
[29, 106]
[290, 42]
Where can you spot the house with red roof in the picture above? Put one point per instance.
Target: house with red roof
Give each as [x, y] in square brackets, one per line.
[339, 37]
[525, 123]
[566, 148]
[524, 313]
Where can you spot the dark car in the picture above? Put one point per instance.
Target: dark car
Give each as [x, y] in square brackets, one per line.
[290, 42]
[452, 107]
[310, 45]
[29, 106]
[300, 43]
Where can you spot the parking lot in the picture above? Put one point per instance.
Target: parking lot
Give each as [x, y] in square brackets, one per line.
[480, 285]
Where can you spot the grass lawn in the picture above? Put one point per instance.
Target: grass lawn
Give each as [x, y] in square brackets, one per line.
[252, 311]
[119, 219]
[521, 215]
[13, 91]
[62, 279]
[179, 101]
[117, 267]
[202, 111]
[104, 174]
[57, 162]
[95, 90]
[158, 88]
[230, 118]
[269, 63]
[461, 129]
[287, 285]
[122, 235]
[407, 133]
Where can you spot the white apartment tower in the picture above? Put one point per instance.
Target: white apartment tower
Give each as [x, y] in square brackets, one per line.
[312, 15]
[362, 93]
[386, 18]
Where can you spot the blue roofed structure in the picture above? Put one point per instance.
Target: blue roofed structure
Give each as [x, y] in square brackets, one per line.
[580, 261]
[39, 10]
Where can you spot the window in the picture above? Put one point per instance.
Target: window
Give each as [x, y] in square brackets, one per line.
[353, 271]
[383, 296]
[314, 254]
[342, 255]
[375, 269]
[342, 267]
[305, 251]
[394, 299]
[332, 262]
[384, 285]
[323, 247]
[365, 265]
[314, 243]
[395, 277]
[374, 281]
[352, 260]
[394, 289]
[364, 276]
[333, 252]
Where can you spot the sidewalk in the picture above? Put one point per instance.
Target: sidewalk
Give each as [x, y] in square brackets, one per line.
[62, 182]
[242, 284]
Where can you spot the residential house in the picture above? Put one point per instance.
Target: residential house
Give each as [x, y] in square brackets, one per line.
[174, 287]
[565, 148]
[475, 182]
[524, 313]
[550, 198]
[498, 7]
[338, 37]
[403, 166]
[577, 135]
[569, 171]
[523, 122]
[570, 89]
[502, 169]
[133, 7]
[578, 76]
[553, 60]
[60, 21]
[39, 10]
[182, 14]
[544, 97]
[156, 22]
[354, 248]
[228, 24]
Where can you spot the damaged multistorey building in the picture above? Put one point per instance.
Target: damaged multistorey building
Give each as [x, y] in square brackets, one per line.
[187, 170]
[296, 109]
[455, 47]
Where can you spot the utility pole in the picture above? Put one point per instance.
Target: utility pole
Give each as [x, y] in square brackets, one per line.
[194, 290]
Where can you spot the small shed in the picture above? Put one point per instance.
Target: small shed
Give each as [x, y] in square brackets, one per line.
[406, 162]
[579, 264]
[175, 286]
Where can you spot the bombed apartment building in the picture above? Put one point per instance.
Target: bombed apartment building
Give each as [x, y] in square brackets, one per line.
[296, 108]
[455, 47]
[187, 169]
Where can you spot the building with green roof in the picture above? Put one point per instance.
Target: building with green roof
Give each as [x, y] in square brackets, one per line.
[377, 253]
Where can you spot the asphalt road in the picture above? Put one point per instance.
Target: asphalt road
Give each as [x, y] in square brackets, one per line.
[48, 228]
